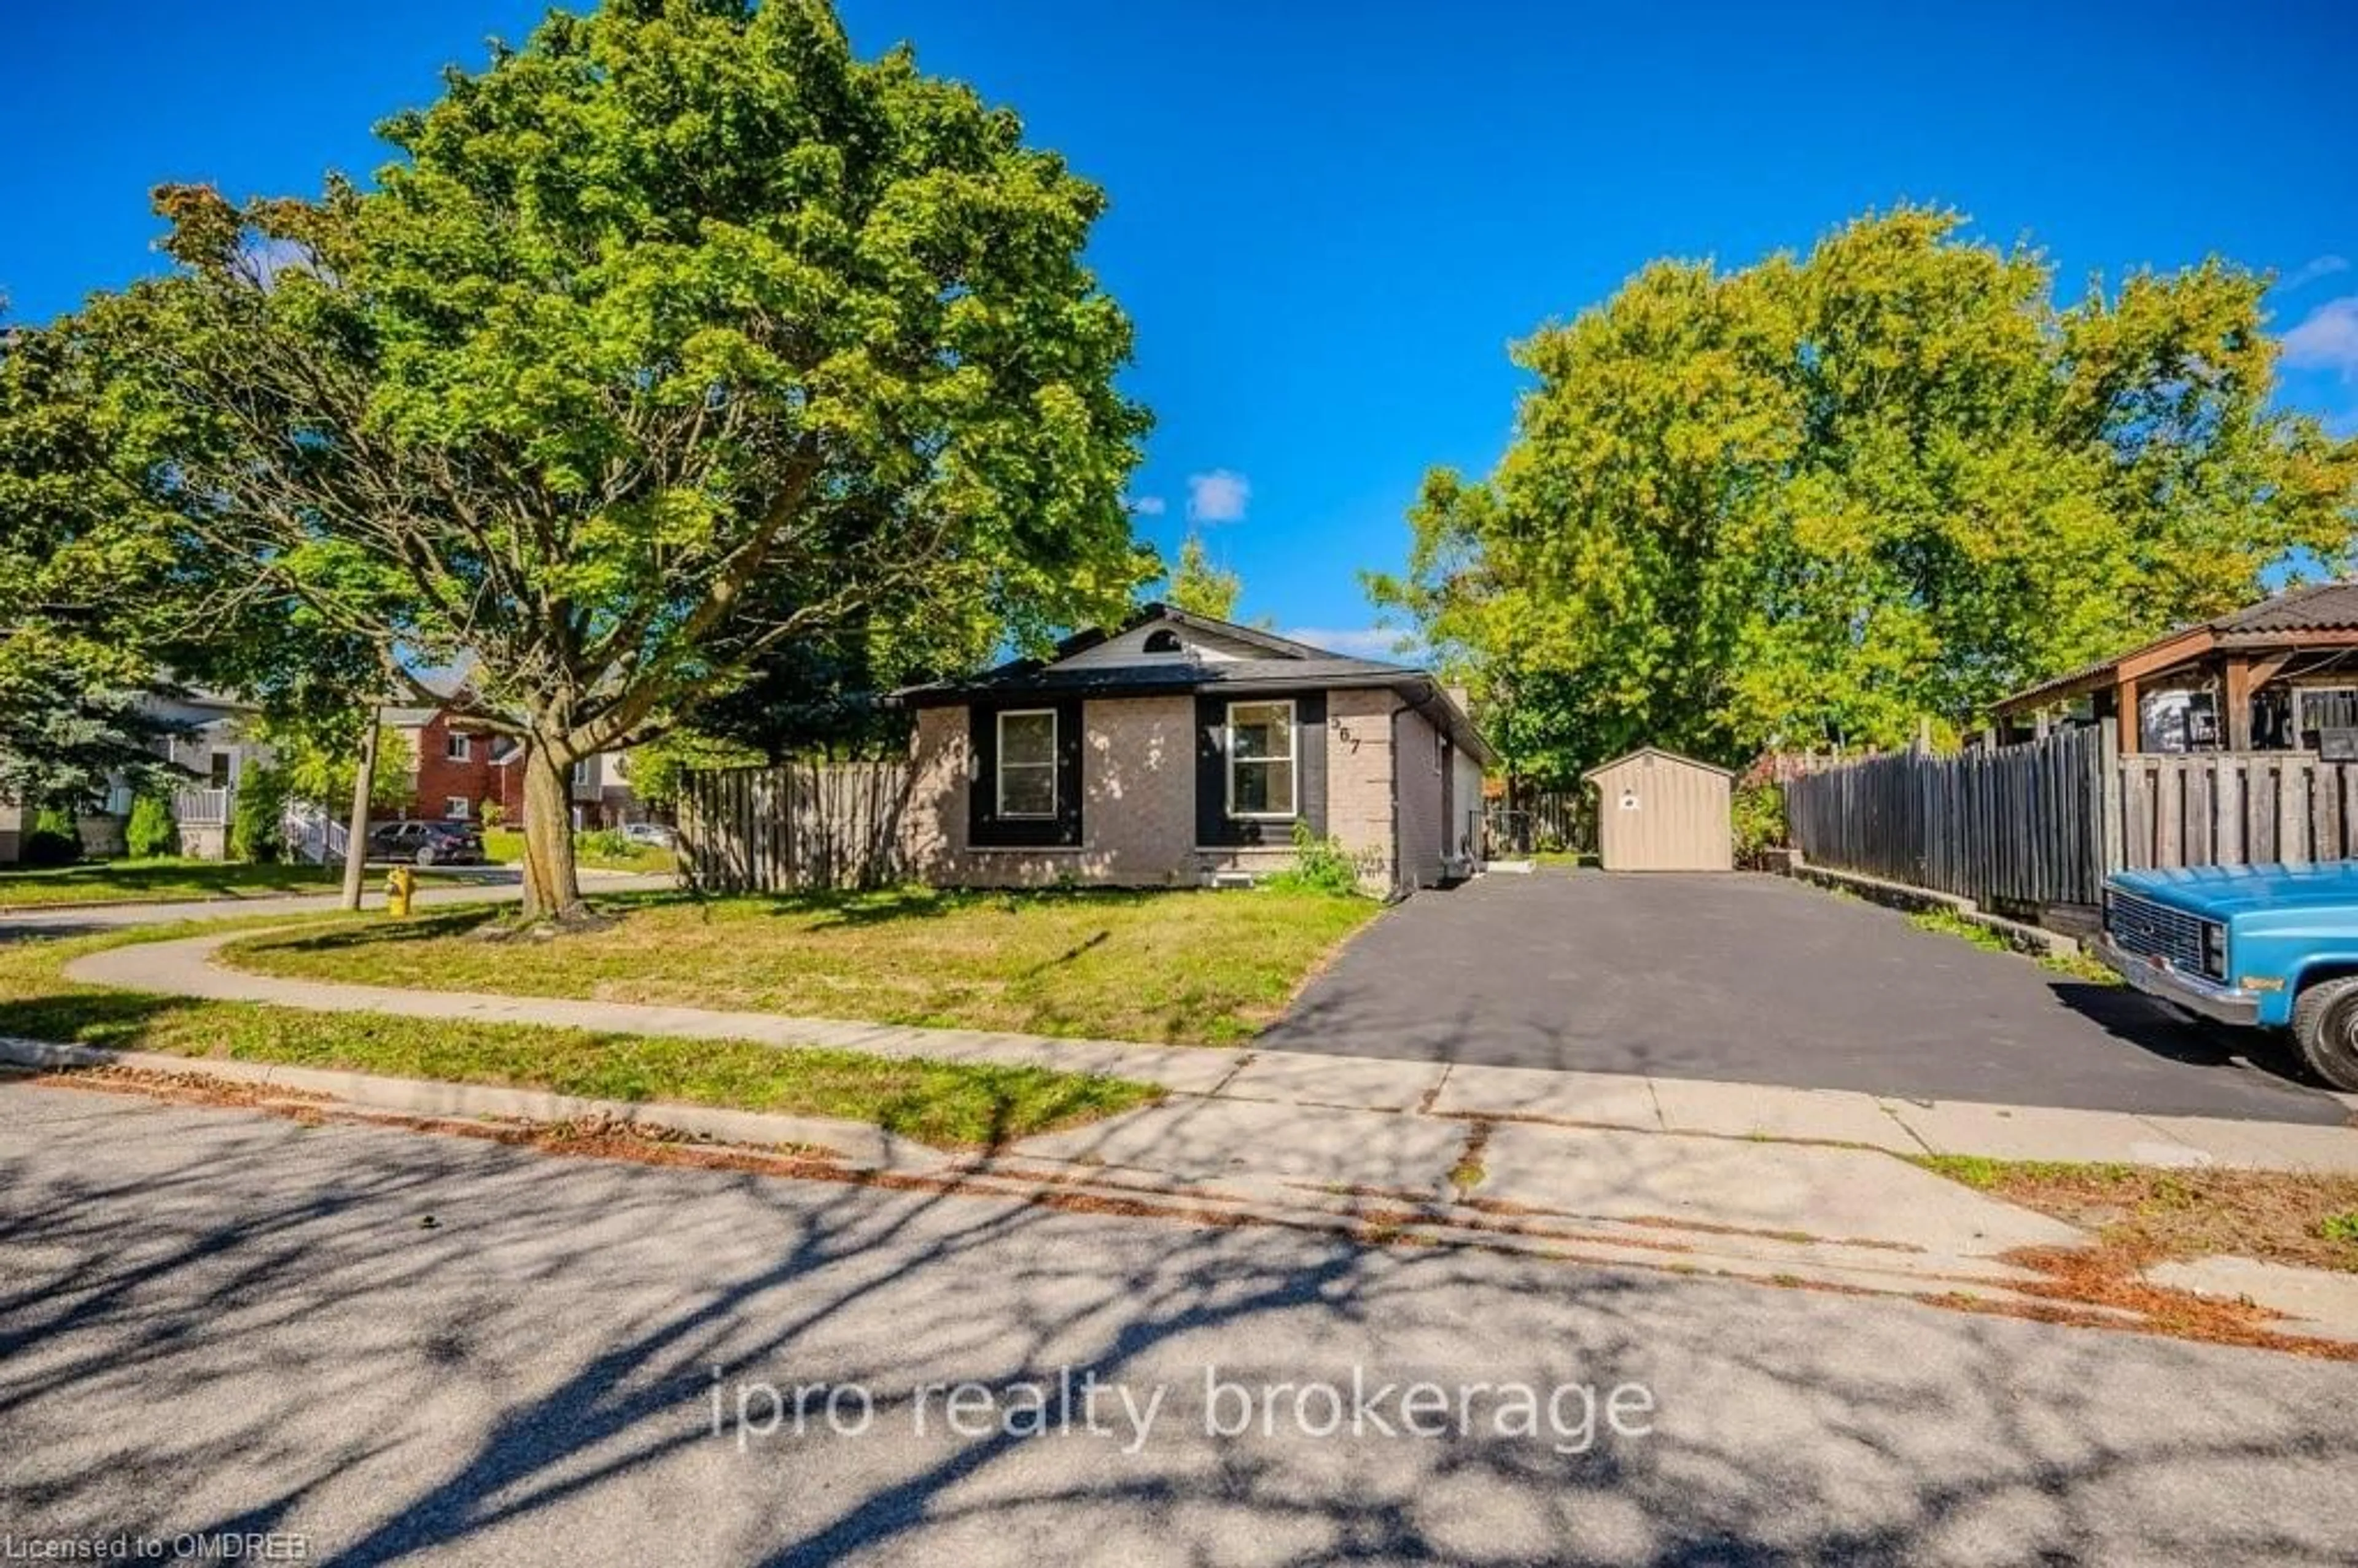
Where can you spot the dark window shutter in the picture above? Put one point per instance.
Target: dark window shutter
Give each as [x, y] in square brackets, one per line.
[984, 828]
[1213, 826]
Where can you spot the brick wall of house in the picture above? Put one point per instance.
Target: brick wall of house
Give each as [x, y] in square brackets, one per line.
[1138, 802]
[437, 776]
[1359, 779]
[1138, 784]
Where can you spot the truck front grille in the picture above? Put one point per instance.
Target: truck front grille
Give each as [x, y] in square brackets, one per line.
[2153, 930]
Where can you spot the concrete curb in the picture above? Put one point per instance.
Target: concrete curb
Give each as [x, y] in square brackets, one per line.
[852, 1142]
[2031, 939]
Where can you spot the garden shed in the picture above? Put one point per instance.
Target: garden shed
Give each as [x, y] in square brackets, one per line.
[1657, 811]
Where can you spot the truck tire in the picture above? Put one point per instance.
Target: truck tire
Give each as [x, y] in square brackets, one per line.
[2325, 1024]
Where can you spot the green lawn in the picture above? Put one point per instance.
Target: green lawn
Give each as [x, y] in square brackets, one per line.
[948, 1104]
[1185, 967]
[504, 847]
[144, 881]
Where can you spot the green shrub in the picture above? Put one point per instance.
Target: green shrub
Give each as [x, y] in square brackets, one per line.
[605, 843]
[1759, 811]
[151, 831]
[52, 841]
[492, 814]
[1320, 865]
[257, 822]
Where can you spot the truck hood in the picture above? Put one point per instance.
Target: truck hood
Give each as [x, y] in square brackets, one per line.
[2232, 889]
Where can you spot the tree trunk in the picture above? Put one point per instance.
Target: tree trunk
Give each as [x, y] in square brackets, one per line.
[356, 834]
[552, 883]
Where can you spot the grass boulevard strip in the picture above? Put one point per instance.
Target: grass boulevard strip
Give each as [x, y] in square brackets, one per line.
[162, 881]
[949, 1105]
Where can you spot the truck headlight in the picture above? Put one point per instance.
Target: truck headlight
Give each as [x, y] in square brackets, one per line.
[2214, 950]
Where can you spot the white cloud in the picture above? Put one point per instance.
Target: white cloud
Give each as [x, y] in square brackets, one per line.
[2310, 271]
[2327, 338]
[1219, 496]
[1352, 642]
[1147, 505]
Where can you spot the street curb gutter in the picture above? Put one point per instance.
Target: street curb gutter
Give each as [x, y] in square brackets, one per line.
[852, 1143]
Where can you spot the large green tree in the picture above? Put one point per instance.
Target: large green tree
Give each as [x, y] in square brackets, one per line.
[1198, 587]
[77, 640]
[675, 335]
[1827, 499]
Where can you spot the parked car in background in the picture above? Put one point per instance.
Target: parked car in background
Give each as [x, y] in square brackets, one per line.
[426, 843]
[2254, 946]
[654, 835]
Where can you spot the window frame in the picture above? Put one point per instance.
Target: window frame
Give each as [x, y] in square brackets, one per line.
[457, 746]
[465, 812]
[999, 764]
[1293, 760]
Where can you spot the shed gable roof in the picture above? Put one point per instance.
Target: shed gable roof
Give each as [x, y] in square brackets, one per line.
[1684, 762]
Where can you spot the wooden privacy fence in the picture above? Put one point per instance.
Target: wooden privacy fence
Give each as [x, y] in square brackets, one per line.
[797, 825]
[2041, 823]
[2021, 826]
[2236, 808]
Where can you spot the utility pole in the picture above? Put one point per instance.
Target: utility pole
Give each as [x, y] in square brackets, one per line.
[356, 838]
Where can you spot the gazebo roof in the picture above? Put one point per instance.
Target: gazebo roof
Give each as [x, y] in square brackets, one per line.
[2322, 615]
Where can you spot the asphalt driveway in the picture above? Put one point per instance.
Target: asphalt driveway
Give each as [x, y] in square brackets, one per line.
[1751, 978]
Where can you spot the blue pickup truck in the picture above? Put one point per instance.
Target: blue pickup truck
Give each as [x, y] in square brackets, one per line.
[2258, 946]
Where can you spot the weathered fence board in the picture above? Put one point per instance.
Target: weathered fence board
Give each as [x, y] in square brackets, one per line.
[2020, 825]
[797, 825]
[2237, 808]
[2040, 823]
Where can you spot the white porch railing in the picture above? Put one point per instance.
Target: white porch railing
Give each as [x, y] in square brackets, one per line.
[202, 807]
[311, 834]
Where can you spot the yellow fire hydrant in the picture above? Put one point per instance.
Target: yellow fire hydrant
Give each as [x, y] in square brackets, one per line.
[399, 883]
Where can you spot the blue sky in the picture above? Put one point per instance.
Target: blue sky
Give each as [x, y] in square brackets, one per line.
[1329, 221]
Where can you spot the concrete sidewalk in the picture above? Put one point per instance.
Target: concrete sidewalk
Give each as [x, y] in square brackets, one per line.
[1781, 1184]
[1431, 1091]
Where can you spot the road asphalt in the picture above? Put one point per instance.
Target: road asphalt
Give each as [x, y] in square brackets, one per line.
[394, 1344]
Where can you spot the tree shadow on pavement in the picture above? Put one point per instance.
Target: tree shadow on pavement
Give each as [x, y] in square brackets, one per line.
[426, 1345]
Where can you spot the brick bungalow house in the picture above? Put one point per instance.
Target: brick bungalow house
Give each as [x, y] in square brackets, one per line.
[1180, 751]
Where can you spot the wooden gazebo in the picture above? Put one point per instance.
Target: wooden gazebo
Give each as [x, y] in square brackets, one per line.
[2274, 676]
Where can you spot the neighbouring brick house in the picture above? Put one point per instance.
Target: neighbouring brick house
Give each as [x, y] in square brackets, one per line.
[458, 768]
[1182, 750]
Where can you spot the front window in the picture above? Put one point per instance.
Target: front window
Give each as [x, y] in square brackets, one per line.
[1027, 764]
[455, 808]
[456, 748]
[1260, 759]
